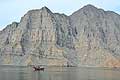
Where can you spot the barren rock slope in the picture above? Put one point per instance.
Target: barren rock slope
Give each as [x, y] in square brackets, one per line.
[88, 37]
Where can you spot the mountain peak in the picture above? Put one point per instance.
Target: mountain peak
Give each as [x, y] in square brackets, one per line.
[45, 9]
[89, 6]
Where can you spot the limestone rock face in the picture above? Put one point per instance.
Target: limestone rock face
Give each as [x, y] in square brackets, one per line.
[88, 37]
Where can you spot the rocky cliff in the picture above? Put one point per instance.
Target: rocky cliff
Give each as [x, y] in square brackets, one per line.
[88, 37]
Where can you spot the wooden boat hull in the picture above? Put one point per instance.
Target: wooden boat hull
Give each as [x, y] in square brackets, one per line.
[38, 69]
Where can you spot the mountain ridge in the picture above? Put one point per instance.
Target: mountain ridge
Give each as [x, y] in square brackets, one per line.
[87, 37]
[88, 5]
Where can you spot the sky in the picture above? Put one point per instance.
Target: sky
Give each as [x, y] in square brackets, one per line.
[13, 10]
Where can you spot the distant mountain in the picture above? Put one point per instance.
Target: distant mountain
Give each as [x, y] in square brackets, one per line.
[88, 37]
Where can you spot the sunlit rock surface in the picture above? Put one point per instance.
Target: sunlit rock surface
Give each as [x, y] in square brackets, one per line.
[88, 37]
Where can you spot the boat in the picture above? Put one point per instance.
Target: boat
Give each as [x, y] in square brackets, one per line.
[38, 68]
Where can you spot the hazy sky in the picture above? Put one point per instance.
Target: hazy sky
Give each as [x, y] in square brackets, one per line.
[13, 10]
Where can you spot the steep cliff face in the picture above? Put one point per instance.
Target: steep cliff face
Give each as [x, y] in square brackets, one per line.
[98, 35]
[88, 37]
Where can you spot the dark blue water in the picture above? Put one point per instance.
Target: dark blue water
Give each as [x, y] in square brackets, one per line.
[57, 73]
